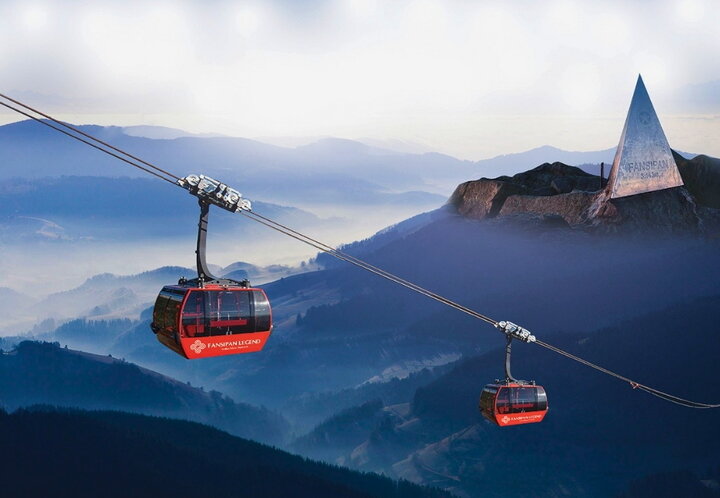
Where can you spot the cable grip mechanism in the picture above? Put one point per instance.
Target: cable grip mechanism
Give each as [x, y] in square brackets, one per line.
[215, 192]
[515, 331]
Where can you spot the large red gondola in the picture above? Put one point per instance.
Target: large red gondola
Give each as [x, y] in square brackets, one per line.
[213, 320]
[513, 403]
[210, 316]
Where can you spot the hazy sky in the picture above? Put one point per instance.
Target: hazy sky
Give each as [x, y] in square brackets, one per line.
[470, 78]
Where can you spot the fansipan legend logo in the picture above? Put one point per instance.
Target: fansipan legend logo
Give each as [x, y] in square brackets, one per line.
[198, 346]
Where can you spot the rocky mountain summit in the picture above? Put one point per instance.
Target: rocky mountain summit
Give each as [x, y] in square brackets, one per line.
[560, 194]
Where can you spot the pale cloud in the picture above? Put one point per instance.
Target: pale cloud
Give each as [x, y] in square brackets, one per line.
[690, 11]
[415, 70]
[34, 17]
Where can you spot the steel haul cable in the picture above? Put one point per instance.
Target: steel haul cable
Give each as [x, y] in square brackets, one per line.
[173, 179]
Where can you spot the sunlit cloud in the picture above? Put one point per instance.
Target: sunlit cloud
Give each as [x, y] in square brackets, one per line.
[248, 19]
[690, 10]
[35, 17]
[614, 33]
[419, 70]
[425, 20]
[503, 50]
[581, 86]
[361, 9]
[653, 68]
[563, 17]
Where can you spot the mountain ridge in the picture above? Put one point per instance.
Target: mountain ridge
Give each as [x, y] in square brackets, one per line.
[443, 440]
[45, 373]
[116, 454]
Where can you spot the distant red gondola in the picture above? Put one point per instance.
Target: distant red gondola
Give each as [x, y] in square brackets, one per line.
[513, 404]
[213, 320]
[512, 401]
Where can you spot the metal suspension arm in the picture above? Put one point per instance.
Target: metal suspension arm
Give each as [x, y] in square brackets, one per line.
[204, 274]
[209, 191]
[508, 350]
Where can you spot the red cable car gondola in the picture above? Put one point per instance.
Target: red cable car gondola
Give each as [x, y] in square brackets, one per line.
[210, 316]
[513, 402]
[214, 320]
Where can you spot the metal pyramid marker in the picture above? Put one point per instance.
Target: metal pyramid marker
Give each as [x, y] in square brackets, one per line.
[643, 161]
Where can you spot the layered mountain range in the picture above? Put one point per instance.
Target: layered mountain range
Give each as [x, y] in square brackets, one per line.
[369, 375]
[599, 434]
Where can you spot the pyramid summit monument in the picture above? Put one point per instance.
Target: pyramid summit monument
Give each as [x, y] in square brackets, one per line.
[645, 192]
[643, 160]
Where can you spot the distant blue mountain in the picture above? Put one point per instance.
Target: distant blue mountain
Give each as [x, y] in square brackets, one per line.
[115, 298]
[108, 296]
[70, 208]
[328, 171]
[162, 132]
[261, 171]
[641, 304]
[510, 164]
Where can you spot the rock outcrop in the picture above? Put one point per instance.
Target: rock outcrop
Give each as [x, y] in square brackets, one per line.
[571, 207]
[702, 178]
[668, 210]
[559, 191]
[486, 198]
[483, 198]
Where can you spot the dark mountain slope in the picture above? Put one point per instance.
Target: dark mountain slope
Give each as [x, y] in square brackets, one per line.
[43, 373]
[51, 453]
[308, 408]
[597, 426]
[701, 175]
[354, 325]
[506, 272]
[674, 484]
[340, 433]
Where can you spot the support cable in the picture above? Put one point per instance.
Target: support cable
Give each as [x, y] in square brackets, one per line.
[633, 384]
[364, 265]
